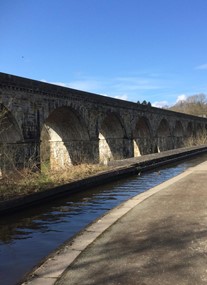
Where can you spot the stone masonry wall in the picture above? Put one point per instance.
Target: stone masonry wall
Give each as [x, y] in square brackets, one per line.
[83, 127]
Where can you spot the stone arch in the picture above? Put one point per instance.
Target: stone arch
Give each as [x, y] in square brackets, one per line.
[142, 137]
[9, 129]
[189, 131]
[200, 135]
[64, 139]
[178, 134]
[199, 129]
[163, 134]
[10, 138]
[111, 139]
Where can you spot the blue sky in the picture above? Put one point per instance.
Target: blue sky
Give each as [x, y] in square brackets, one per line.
[153, 50]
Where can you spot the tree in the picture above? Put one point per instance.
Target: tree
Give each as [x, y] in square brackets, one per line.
[144, 102]
[193, 105]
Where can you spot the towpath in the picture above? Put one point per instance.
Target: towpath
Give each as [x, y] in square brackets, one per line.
[158, 237]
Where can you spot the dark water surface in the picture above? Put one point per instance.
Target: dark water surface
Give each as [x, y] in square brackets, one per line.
[28, 236]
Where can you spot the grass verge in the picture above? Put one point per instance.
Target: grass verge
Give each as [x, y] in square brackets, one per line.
[24, 182]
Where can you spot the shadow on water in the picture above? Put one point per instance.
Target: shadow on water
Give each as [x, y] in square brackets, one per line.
[30, 235]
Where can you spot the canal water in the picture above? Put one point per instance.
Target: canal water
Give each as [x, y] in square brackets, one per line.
[30, 235]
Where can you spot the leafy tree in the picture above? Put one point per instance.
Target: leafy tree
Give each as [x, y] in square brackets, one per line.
[144, 102]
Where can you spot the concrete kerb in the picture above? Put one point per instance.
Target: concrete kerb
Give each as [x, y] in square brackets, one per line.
[54, 266]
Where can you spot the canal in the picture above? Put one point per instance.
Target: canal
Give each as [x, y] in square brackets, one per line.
[28, 236]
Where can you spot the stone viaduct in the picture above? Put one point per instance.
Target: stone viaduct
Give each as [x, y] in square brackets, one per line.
[63, 126]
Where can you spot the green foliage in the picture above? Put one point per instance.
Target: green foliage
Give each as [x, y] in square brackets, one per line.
[144, 103]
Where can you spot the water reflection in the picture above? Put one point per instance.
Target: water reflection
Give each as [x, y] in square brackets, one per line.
[28, 236]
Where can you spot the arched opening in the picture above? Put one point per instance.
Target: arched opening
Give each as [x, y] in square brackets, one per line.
[199, 130]
[178, 135]
[190, 138]
[201, 137]
[10, 136]
[164, 140]
[111, 139]
[142, 137]
[189, 132]
[64, 139]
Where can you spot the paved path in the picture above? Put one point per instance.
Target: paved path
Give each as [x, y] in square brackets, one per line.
[156, 238]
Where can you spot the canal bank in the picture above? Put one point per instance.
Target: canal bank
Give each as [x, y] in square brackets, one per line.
[157, 237]
[121, 169]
